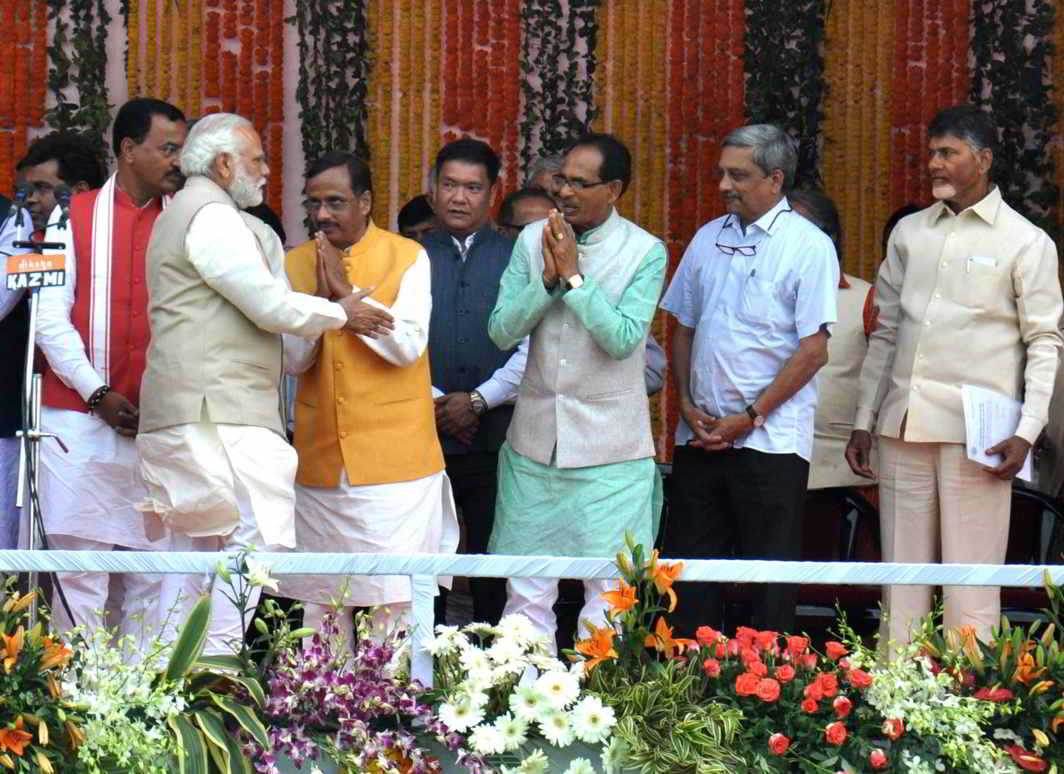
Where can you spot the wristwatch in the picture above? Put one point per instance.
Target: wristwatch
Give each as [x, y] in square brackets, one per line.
[575, 281]
[479, 404]
[756, 418]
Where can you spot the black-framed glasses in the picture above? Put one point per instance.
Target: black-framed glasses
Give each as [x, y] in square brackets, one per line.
[334, 204]
[575, 183]
[744, 250]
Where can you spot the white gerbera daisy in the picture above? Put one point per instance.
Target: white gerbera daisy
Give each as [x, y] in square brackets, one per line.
[460, 715]
[514, 731]
[535, 763]
[486, 739]
[592, 720]
[560, 688]
[517, 627]
[474, 659]
[505, 650]
[546, 663]
[481, 629]
[555, 726]
[527, 702]
[580, 766]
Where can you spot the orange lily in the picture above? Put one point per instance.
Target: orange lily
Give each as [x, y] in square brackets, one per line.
[663, 574]
[15, 739]
[56, 654]
[663, 640]
[1026, 671]
[622, 599]
[12, 646]
[1056, 723]
[598, 648]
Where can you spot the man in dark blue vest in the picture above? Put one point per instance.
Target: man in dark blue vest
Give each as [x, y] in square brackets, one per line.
[474, 381]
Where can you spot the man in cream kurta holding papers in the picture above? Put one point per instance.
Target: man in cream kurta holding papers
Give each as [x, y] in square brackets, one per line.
[968, 295]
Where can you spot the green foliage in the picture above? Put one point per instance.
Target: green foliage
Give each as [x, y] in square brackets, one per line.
[1011, 50]
[785, 73]
[84, 71]
[557, 83]
[334, 67]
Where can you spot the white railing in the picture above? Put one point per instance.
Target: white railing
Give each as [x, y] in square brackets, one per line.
[422, 569]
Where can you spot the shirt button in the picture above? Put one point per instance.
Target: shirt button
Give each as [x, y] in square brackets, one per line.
[945, 264]
[916, 388]
[562, 361]
[463, 340]
[927, 322]
[340, 399]
[339, 366]
[938, 295]
[343, 434]
[565, 326]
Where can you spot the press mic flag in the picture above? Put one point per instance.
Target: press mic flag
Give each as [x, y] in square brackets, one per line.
[62, 198]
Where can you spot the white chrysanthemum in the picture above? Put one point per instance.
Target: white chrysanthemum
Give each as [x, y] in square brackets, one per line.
[592, 720]
[474, 659]
[460, 715]
[478, 699]
[560, 688]
[514, 731]
[535, 763]
[505, 650]
[481, 629]
[486, 739]
[526, 701]
[580, 766]
[547, 663]
[446, 641]
[555, 726]
[481, 680]
[517, 627]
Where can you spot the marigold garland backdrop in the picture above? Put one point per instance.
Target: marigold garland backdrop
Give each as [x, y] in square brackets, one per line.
[855, 82]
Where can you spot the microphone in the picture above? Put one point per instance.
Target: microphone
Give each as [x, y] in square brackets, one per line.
[62, 198]
[23, 191]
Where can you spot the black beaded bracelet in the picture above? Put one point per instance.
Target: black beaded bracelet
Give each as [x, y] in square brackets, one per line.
[96, 397]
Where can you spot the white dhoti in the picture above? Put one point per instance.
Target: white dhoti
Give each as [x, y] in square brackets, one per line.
[87, 504]
[220, 488]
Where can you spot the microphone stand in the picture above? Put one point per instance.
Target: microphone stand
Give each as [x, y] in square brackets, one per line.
[31, 435]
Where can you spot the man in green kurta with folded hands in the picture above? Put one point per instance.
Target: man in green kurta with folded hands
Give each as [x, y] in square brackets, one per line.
[577, 470]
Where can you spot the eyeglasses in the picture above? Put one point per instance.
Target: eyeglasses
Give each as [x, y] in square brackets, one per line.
[745, 250]
[578, 185]
[334, 204]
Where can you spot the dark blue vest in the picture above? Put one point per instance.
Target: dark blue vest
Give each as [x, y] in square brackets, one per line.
[461, 355]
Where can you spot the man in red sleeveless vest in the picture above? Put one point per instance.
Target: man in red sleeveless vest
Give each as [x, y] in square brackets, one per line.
[94, 334]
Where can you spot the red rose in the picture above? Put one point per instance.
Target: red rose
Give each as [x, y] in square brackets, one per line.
[746, 684]
[835, 733]
[893, 728]
[797, 645]
[828, 683]
[807, 660]
[877, 759]
[734, 647]
[809, 705]
[746, 655]
[711, 667]
[757, 668]
[768, 690]
[859, 678]
[835, 650]
[721, 651]
[706, 635]
[1025, 759]
[842, 706]
[745, 635]
[844, 664]
[767, 641]
[778, 743]
[996, 693]
[813, 691]
[785, 673]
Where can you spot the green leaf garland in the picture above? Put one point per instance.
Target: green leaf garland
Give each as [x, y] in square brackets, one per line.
[83, 69]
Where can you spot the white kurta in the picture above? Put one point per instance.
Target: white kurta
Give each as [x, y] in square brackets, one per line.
[409, 516]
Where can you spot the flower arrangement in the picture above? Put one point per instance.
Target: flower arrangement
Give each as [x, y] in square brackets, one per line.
[506, 700]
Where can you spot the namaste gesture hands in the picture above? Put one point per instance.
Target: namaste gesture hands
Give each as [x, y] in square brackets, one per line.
[332, 283]
[560, 256]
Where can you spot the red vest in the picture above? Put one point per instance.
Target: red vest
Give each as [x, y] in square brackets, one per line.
[128, 331]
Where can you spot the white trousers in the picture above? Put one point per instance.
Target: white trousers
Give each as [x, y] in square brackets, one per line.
[937, 505]
[534, 598]
[139, 611]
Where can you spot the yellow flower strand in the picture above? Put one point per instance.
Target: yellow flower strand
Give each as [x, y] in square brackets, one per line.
[195, 57]
[180, 22]
[133, 44]
[166, 51]
[151, 62]
[379, 129]
[434, 46]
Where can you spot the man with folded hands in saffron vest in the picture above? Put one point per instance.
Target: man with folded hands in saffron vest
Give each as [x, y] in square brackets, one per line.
[94, 334]
[371, 473]
[214, 457]
[577, 470]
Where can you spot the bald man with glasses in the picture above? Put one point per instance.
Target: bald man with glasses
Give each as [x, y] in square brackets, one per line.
[753, 298]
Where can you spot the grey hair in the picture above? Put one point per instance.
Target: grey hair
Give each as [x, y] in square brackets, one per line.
[544, 164]
[213, 134]
[773, 149]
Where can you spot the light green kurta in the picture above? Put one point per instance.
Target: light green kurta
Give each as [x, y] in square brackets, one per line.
[545, 510]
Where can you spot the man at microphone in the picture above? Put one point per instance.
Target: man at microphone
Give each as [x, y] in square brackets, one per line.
[55, 160]
[94, 334]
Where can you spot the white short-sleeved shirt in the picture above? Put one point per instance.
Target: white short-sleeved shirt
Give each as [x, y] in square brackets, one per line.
[749, 313]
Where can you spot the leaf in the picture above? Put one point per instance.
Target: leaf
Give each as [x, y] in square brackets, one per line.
[229, 662]
[192, 758]
[245, 716]
[190, 642]
[238, 762]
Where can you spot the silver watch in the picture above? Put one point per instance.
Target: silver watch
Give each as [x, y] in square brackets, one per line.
[479, 404]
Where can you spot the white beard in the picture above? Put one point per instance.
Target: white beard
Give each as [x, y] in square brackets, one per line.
[246, 190]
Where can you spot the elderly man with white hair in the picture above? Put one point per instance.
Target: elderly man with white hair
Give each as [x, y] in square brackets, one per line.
[213, 454]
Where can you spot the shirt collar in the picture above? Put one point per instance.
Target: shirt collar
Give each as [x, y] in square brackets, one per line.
[986, 208]
[768, 223]
[599, 232]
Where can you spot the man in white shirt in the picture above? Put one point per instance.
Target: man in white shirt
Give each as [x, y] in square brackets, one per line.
[213, 453]
[968, 294]
[753, 297]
